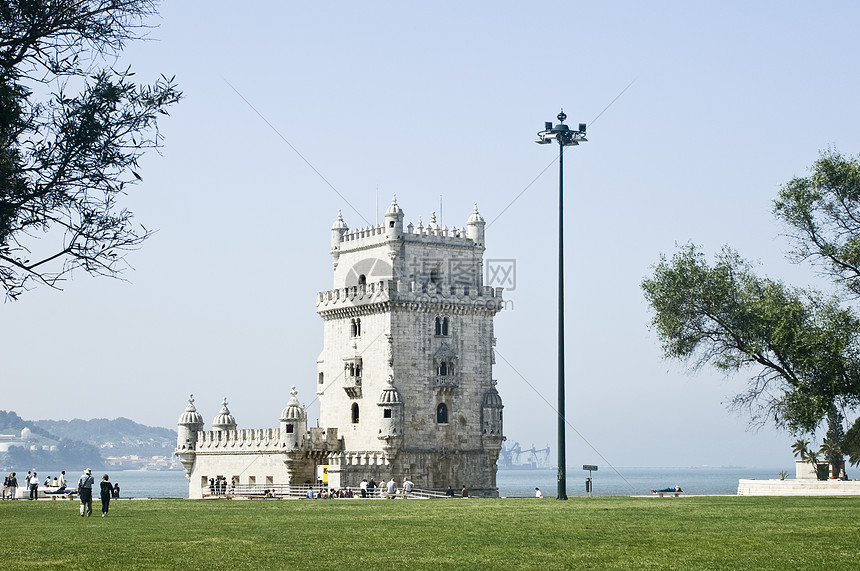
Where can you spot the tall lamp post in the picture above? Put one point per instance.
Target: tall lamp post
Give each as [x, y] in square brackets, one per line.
[566, 137]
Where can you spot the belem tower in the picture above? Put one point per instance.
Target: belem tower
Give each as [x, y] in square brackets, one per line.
[404, 380]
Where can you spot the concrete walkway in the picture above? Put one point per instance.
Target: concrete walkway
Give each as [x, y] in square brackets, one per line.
[798, 488]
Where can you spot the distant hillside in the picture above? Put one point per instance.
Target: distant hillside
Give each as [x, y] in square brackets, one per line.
[118, 437]
[43, 450]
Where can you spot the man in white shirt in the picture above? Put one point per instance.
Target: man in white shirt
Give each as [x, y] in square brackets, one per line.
[34, 486]
[392, 488]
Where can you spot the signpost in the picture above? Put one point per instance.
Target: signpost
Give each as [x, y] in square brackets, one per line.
[590, 468]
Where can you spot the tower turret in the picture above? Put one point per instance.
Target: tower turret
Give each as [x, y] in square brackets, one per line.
[394, 219]
[390, 419]
[190, 423]
[224, 421]
[294, 422]
[475, 228]
[491, 415]
[338, 229]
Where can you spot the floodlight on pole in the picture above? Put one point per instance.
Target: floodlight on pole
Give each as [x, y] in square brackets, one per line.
[566, 137]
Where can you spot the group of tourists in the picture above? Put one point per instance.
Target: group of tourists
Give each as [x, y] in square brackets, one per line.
[84, 489]
[326, 494]
[218, 486]
[31, 483]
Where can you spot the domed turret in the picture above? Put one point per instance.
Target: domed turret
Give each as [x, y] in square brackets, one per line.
[338, 229]
[491, 413]
[391, 418]
[190, 423]
[394, 219]
[224, 420]
[475, 227]
[294, 422]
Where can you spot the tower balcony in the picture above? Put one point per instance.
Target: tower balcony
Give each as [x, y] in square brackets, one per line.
[352, 386]
[445, 384]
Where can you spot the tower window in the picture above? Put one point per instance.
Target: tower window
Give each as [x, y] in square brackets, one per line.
[442, 413]
[355, 327]
[321, 377]
[386, 413]
[362, 280]
[355, 413]
[440, 327]
[445, 369]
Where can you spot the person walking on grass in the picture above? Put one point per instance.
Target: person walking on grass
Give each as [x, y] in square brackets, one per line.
[106, 492]
[13, 486]
[85, 492]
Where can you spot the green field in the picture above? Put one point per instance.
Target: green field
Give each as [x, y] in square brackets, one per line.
[581, 533]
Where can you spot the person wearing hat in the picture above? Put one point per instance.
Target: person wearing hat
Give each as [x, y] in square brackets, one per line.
[85, 492]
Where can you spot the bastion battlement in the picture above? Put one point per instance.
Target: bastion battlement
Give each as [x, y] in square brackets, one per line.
[409, 291]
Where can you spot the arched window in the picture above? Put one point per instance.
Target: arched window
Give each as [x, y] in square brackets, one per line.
[358, 327]
[438, 329]
[442, 413]
[445, 326]
[355, 413]
[362, 279]
[352, 328]
[443, 369]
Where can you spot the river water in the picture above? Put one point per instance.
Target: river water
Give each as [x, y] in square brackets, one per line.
[517, 483]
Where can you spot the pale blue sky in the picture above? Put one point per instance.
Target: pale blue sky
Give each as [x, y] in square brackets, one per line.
[729, 101]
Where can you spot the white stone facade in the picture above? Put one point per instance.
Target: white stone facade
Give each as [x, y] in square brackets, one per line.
[404, 379]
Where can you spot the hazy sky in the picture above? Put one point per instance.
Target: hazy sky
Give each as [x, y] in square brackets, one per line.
[444, 98]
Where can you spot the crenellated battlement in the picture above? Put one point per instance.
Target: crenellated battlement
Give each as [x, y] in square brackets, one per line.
[251, 438]
[357, 459]
[375, 235]
[398, 291]
[262, 439]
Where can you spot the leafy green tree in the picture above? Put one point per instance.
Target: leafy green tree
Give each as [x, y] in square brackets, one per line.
[800, 346]
[72, 130]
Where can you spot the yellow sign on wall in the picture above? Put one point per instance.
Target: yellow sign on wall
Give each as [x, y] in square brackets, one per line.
[322, 473]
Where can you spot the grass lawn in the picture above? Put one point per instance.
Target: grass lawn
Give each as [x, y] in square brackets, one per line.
[581, 533]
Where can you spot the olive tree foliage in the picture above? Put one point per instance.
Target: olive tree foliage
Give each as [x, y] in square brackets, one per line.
[800, 347]
[822, 213]
[72, 130]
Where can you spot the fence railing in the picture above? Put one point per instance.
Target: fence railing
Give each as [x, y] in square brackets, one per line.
[316, 492]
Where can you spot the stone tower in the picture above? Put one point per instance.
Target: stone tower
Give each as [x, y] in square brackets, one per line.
[406, 367]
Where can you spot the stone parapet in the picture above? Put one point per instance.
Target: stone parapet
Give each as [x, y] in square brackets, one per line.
[430, 295]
